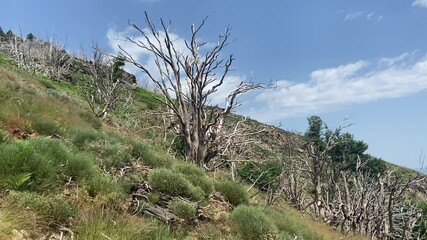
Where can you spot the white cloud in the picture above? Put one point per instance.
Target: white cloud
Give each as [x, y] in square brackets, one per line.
[334, 88]
[144, 57]
[116, 38]
[420, 3]
[371, 16]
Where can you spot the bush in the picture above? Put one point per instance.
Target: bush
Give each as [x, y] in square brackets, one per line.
[53, 209]
[270, 171]
[44, 164]
[102, 185]
[232, 191]
[196, 176]
[252, 223]
[81, 167]
[149, 156]
[29, 157]
[80, 137]
[288, 224]
[182, 209]
[189, 169]
[174, 184]
[46, 127]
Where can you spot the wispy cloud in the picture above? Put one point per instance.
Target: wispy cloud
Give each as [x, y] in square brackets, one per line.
[420, 3]
[370, 16]
[353, 16]
[331, 89]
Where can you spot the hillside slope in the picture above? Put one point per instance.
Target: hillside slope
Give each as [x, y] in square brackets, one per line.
[65, 174]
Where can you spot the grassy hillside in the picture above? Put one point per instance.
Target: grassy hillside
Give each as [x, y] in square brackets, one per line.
[66, 173]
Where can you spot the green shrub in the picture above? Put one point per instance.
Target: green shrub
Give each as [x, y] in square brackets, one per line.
[28, 157]
[265, 174]
[196, 176]
[182, 209]
[112, 153]
[189, 169]
[102, 185]
[81, 167]
[46, 127]
[232, 191]
[196, 193]
[15, 182]
[149, 156]
[49, 163]
[178, 146]
[53, 208]
[252, 223]
[288, 224]
[174, 184]
[80, 137]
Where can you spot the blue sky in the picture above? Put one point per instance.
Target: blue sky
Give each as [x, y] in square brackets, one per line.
[364, 59]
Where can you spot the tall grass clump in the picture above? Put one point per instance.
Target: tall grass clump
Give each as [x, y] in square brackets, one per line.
[34, 157]
[44, 164]
[174, 184]
[252, 223]
[46, 127]
[51, 208]
[232, 191]
[80, 137]
[107, 224]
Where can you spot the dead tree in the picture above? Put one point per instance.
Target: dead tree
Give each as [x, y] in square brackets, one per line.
[315, 162]
[56, 61]
[375, 206]
[105, 89]
[186, 80]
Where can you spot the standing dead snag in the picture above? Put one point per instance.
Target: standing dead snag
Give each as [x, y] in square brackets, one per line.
[187, 79]
[105, 89]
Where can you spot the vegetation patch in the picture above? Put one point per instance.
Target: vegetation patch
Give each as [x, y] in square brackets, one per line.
[46, 127]
[196, 176]
[264, 174]
[252, 223]
[174, 184]
[51, 208]
[150, 156]
[232, 191]
[183, 210]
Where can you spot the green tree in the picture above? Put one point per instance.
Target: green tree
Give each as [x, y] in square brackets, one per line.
[30, 37]
[10, 34]
[2, 34]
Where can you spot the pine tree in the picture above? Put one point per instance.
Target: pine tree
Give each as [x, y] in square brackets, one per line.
[2, 34]
[30, 37]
